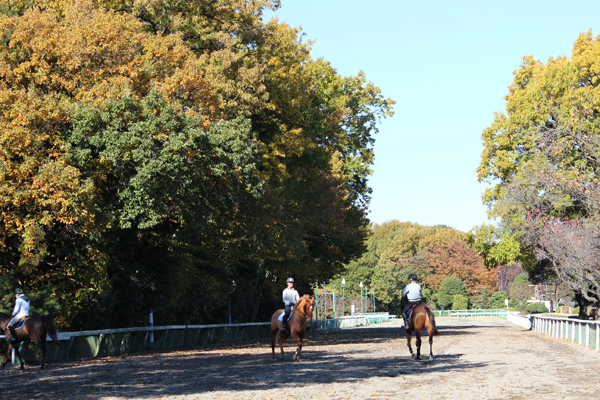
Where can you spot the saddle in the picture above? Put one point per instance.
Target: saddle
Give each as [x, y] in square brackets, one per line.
[410, 310]
[20, 324]
[280, 318]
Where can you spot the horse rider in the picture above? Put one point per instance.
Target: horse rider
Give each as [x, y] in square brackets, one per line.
[290, 297]
[411, 296]
[20, 312]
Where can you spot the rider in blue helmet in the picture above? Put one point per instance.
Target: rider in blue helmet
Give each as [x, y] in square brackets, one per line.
[411, 296]
[290, 297]
[20, 312]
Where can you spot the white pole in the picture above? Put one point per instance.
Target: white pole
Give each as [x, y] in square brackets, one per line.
[587, 335]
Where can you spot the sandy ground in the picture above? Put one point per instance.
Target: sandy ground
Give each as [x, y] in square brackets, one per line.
[473, 360]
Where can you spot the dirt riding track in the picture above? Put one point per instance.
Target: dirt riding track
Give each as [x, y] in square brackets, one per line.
[473, 360]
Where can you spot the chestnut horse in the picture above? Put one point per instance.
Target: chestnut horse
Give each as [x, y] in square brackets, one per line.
[35, 329]
[296, 324]
[422, 317]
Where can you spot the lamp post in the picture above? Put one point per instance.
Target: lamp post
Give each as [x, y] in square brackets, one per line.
[324, 301]
[233, 290]
[334, 310]
[317, 299]
[373, 299]
[343, 297]
[361, 298]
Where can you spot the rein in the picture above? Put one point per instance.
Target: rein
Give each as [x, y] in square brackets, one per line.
[303, 313]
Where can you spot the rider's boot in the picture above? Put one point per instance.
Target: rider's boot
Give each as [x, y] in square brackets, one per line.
[283, 327]
[405, 321]
[13, 334]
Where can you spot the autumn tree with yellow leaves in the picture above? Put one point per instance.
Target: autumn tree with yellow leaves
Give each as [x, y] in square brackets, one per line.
[152, 152]
[541, 159]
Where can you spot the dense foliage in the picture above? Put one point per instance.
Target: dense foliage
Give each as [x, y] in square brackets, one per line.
[152, 154]
[541, 159]
[451, 287]
[396, 249]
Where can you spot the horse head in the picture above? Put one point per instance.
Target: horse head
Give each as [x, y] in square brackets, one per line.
[306, 305]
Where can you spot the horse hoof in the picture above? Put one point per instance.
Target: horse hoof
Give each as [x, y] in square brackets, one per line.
[430, 358]
[412, 356]
[22, 368]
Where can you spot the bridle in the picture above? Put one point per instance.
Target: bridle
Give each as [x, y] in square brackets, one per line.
[303, 313]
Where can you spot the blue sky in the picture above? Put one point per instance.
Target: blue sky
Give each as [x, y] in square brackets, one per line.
[448, 66]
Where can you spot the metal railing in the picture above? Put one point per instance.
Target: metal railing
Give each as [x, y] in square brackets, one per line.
[474, 315]
[585, 333]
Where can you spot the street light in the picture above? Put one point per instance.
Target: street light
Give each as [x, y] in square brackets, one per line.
[361, 298]
[233, 290]
[373, 299]
[317, 299]
[334, 310]
[343, 297]
[325, 301]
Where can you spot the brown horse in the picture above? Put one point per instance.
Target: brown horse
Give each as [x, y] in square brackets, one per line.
[35, 329]
[296, 324]
[422, 317]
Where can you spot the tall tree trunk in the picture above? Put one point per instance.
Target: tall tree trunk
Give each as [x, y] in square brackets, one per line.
[582, 305]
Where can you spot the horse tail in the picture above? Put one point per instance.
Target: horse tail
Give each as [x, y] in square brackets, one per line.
[50, 329]
[431, 319]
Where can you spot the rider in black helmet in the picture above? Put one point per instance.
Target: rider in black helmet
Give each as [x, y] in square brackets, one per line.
[20, 312]
[290, 297]
[411, 296]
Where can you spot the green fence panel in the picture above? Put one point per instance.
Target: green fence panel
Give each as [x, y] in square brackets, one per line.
[110, 345]
[240, 333]
[175, 338]
[203, 336]
[159, 339]
[133, 342]
[191, 337]
[216, 335]
[84, 347]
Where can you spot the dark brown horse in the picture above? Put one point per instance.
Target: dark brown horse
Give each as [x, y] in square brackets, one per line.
[35, 329]
[296, 324]
[422, 317]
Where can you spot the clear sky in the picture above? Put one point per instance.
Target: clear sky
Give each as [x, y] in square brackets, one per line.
[448, 65]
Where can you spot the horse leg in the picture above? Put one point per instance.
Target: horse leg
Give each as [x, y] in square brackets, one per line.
[418, 335]
[299, 341]
[19, 355]
[408, 340]
[284, 335]
[41, 343]
[430, 332]
[7, 355]
[273, 339]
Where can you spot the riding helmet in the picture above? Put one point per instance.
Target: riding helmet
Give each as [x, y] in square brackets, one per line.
[413, 277]
[290, 280]
[18, 291]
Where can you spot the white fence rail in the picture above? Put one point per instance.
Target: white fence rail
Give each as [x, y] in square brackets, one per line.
[109, 342]
[585, 333]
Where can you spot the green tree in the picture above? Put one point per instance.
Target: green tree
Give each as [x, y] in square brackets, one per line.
[521, 291]
[460, 302]
[497, 300]
[482, 301]
[152, 153]
[449, 287]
